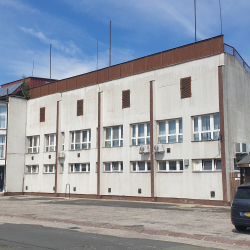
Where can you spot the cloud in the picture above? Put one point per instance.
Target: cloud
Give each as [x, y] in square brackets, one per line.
[69, 47]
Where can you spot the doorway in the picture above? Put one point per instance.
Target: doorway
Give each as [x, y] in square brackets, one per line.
[1, 179]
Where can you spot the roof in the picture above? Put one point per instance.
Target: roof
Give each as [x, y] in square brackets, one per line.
[12, 89]
[245, 160]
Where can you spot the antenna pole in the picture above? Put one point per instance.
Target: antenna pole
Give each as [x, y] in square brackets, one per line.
[110, 47]
[97, 55]
[220, 18]
[195, 17]
[50, 60]
[33, 68]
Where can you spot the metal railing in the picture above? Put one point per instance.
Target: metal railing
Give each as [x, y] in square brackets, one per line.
[232, 51]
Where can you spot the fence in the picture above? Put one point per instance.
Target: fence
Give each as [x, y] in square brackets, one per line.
[232, 51]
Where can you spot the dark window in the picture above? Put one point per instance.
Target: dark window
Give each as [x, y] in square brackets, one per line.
[42, 114]
[125, 99]
[79, 107]
[185, 87]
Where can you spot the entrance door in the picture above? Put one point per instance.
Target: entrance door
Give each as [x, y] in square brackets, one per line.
[1, 178]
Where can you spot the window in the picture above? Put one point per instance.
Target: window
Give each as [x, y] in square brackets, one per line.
[206, 127]
[125, 99]
[50, 142]
[79, 167]
[207, 165]
[141, 134]
[42, 114]
[170, 165]
[79, 107]
[113, 166]
[49, 168]
[34, 169]
[63, 138]
[114, 136]
[3, 115]
[33, 144]
[170, 131]
[2, 146]
[80, 140]
[61, 168]
[185, 87]
[140, 166]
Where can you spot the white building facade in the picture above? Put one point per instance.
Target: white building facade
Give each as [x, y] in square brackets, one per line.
[154, 129]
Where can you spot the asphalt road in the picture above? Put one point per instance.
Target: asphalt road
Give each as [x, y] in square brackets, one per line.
[36, 237]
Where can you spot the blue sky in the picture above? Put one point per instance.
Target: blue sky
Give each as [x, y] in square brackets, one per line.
[139, 28]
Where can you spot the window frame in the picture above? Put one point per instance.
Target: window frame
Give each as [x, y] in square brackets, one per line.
[111, 140]
[178, 166]
[136, 138]
[32, 167]
[112, 170]
[73, 139]
[73, 167]
[3, 114]
[177, 135]
[3, 144]
[32, 147]
[210, 131]
[49, 146]
[47, 167]
[134, 167]
[202, 168]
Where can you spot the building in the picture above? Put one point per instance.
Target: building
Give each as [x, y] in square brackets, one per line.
[158, 128]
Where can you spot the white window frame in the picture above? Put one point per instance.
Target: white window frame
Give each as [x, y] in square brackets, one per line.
[201, 166]
[63, 140]
[135, 166]
[49, 168]
[73, 167]
[33, 149]
[212, 130]
[50, 147]
[109, 143]
[32, 169]
[3, 115]
[178, 135]
[167, 165]
[73, 142]
[2, 144]
[135, 137]
[112, 166]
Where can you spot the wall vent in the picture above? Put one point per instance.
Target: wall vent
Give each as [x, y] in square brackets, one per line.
[79, 107]
[125, 99]
[109, 190]
[42, 114]
[185, 87]
[139, 190]
[74, 188]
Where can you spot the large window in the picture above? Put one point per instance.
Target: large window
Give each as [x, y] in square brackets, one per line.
[33, 144]
[113, 166]
[206, 127]
[79, 167]
[2, 146]
[207, 165]
[170, 131]
[140, 166]
[50, 143]
[34, 169]
[114, 136]
[141, 134]
[171, 165]
[80, 140]
[49, 168]
[3, 114]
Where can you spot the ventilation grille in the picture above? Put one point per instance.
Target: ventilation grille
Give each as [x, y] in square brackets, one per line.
[185, 87]
[42, 114]
[79, 107]
[125, 99]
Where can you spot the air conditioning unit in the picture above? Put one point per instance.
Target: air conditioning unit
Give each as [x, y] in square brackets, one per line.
[145, 149]
[61, 154]
[159, 148]
[242, 148]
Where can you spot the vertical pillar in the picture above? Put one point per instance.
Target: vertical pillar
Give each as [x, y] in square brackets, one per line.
[57, 135]
[99, 144]
[222, 133]
[152, 141]
[6, 142]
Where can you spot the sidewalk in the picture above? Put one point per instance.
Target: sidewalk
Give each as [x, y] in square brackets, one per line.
[197, 222]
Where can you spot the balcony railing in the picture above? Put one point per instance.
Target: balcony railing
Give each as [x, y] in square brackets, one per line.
[232, 51]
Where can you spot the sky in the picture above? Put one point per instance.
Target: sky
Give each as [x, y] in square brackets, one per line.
[139, 28]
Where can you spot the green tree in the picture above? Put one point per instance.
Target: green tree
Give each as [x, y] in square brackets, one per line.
[25, 88]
